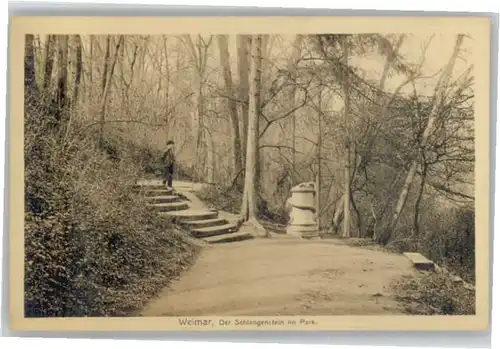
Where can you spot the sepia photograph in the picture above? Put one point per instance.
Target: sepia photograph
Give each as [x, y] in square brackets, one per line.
[255, 179]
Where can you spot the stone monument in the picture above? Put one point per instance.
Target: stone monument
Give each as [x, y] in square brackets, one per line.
[302, 208]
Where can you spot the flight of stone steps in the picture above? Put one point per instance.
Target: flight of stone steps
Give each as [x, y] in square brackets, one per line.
[201, 222]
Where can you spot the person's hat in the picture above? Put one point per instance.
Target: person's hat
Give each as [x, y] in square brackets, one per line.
[170, 142]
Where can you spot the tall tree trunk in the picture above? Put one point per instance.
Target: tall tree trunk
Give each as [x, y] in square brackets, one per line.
[48, 62]
[159, 61]
[347, 179]
[266, 48]
[123, 88]
[318, 159]
[249, 204]
[243, 71]
[106, 63]
[78, 73]
[416, 215]
[292, 62]
[233, 109]
[168, 111]
[264, 64]
[107, 85]
[338, 215]
[142, 57]
[434, 114]
[29, 67]
[208, 152]
[38, 54]
[210, 157]
[213, 163]
[90, 65]
[198, 125]
[62, 80]
[132, 76]
[199, 59]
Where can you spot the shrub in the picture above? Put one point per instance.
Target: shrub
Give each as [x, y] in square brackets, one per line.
[447, 238]
[450, 240]
[435, 294]
[222, 198]
[229, 199]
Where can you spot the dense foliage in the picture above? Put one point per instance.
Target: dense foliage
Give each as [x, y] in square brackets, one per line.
[435, 294]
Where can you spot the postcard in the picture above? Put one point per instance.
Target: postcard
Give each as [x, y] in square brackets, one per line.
[249, 173]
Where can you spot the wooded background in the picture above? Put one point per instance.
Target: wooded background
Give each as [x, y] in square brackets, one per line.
[384, 124]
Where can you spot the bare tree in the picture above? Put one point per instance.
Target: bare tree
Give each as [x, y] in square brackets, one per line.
[434, 115]
[107, 85]
[90, 66]
[233, 110]
[199, 56]
[318, 160]
[292, 62]
[48, 61]
[347, 164]
[391, 56]
[244, 42]
[106, 63]
[78, 73]
[249, 204]
[129, 83]
[62, 79]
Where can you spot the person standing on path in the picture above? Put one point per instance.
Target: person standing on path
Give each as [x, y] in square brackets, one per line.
[168, 160]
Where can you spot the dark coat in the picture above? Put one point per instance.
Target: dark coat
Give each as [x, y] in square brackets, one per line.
[168, 158]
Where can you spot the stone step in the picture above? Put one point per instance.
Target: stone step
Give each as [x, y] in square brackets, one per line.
[231, 237]
[204, 223]
[419, 262]
[155, 192]
[190, 215]
[216, 230]
[148, 185]
[163, 199]
[170, 206]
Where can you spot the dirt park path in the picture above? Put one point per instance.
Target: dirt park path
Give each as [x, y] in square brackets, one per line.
[284, 276]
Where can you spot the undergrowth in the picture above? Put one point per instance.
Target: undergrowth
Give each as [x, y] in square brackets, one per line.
[434, 294]
[92, 248]
[229, 199]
